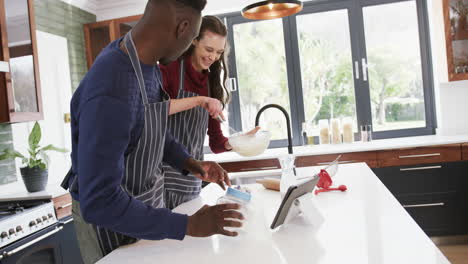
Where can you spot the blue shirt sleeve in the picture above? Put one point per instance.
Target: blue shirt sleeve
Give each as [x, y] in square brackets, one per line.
[104, 134]
[175, 154]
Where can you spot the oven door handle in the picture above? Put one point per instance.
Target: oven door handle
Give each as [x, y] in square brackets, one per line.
[18, 249]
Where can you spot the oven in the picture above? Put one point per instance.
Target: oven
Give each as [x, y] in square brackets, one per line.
[30, 233]
[41, 247]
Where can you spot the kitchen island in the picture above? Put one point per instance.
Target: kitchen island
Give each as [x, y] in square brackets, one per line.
[365, 224]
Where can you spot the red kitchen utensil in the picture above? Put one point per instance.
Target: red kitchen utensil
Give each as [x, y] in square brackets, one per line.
[325, 182]
[340, 188]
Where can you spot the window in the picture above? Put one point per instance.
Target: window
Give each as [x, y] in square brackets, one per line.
[261, 72]
[394, 65]
[326, 66]
[366, 60]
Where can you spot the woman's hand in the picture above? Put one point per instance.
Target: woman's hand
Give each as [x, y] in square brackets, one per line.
[213, 106]
[253, 131]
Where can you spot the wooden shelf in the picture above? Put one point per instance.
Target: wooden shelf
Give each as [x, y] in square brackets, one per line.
[99, 34]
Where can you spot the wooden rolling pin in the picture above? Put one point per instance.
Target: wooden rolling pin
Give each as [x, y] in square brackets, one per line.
[270, 183]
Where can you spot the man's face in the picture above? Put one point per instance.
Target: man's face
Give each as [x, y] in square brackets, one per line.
[184, 38]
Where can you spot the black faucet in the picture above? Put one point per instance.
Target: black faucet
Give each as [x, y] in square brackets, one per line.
[288, 122]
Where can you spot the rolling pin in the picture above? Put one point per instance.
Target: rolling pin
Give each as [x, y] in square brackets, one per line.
[270, 183]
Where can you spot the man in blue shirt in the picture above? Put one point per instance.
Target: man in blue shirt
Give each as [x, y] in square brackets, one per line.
[119, 139]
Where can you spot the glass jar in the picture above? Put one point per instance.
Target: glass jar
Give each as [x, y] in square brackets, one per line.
[304, 138]
[324, 131]
[348, 135]
[366, 133]
[307, 134]
[288, 175]
[240, 196]
[335, 131]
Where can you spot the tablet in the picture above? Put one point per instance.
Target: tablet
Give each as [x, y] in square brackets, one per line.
[292, 194]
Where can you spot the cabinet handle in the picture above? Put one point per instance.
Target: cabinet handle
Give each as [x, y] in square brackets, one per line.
[64, 206]
[364, 70]
[418, 156]
[261, 168]
[18, 249]
[423, 205]
[421, 168]
[339, 162]
[68, 221]
[233, 84]
[356, 69]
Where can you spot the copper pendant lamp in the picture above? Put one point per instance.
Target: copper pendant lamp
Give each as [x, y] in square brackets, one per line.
[272, 9]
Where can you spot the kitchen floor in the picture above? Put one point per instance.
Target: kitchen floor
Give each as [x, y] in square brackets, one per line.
[454, 248]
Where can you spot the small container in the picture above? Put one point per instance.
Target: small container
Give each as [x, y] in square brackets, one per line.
[239, 196]
[324, 131]
[369, 133]
[304, 137]
[348, 135]
[335, 131]
[366, 133]
[310, 134]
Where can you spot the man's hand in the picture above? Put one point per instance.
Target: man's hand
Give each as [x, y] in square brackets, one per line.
[210, 220]
[209, 171]
[213, 106]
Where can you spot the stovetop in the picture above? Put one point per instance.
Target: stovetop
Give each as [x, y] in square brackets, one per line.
[10, 209]
[21, 218]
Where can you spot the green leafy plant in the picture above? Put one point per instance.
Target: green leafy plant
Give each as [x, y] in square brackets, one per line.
[37, 154]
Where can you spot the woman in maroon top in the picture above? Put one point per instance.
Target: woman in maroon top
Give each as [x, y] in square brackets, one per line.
[197, 72]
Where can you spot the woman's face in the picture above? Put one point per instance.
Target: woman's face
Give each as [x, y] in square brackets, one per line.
[207, 50]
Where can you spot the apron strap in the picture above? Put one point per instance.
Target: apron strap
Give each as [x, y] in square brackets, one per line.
[181, 74]
[65, 183]
[132, 53]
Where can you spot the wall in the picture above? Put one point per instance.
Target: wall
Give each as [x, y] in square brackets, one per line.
[65, 20]
[59, 18]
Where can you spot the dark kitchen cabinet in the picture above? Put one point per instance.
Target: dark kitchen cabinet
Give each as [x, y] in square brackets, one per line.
[20, 90]
[433, 194]
[69, 243]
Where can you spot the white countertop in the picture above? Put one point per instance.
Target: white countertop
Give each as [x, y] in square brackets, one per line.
[382, 144]
[366, 224]
[49, 193]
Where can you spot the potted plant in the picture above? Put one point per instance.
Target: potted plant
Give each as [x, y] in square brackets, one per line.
[34, 172]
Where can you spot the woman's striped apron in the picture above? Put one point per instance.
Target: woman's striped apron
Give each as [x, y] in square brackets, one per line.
[188, 128]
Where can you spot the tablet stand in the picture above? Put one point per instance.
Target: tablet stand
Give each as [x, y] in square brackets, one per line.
[305, 208]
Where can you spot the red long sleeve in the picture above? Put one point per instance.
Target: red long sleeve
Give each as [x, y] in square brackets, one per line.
[194, 82]
[216, 137]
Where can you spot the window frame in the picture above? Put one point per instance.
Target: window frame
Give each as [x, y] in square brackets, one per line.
[358, 50]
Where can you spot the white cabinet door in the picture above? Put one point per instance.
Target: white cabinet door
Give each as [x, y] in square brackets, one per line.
[56, 95]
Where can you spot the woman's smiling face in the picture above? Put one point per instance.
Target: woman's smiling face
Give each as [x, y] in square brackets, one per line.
[207, 50]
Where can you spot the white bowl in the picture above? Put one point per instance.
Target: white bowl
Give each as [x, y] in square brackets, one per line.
[250, 145]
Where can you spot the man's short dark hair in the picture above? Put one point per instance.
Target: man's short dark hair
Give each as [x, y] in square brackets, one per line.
[198, 5]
